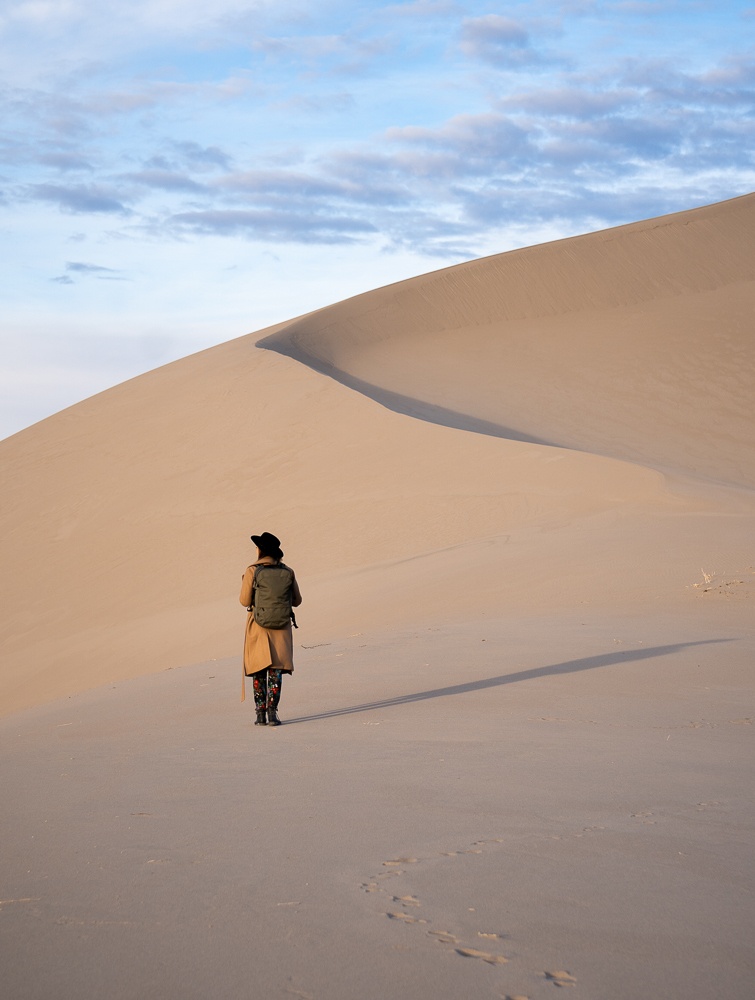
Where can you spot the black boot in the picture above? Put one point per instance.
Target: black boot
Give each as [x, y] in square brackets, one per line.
[272, 717]
[261, 717]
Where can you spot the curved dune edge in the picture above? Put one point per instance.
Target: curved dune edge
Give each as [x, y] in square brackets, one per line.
[634, 343]
[125, 519]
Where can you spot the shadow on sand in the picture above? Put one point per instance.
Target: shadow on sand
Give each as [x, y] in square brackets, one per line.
[554, 669]
[396, 401]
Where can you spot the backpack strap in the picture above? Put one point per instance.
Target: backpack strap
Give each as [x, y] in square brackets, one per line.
[261, 565]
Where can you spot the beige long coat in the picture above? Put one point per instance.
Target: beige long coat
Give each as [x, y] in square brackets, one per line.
[266, 647]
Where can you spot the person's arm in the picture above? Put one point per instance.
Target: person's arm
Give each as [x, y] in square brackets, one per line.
[295, 594]
[247, 586]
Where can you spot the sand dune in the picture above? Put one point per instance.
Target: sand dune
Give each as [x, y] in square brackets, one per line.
[125, 519]
[517, 738]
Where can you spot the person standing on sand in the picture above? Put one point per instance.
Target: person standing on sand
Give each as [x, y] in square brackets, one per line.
[269, 591]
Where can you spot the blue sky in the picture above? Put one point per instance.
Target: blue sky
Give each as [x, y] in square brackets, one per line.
[176, 173]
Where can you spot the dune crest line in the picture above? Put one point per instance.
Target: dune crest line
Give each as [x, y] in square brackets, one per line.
[632, 343]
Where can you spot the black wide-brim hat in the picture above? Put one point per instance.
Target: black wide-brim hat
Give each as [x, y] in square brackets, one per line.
[268, 544]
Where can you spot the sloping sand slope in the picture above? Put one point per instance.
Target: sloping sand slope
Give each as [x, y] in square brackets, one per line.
[125, 519]
[635, 342]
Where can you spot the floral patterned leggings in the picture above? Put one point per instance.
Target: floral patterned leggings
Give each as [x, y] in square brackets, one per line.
[267, 688]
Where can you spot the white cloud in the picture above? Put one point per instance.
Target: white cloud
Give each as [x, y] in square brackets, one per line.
[569, 101]
[274, 225]
[423, 9]
[165, 180]
[176, 16]
[79, 198]
[497, 40]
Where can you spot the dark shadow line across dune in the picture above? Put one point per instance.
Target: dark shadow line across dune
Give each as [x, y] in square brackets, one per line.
[432, 413]
[554, 669]
[396, 401]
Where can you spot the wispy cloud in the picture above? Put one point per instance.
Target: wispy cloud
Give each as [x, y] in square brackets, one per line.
[81, 269]
[65, 162]
[273, 226]
[430, 9]
[79, 198]
[200, 157]
[164, 180]
[286, 183]
[497, 40]
[467, 144]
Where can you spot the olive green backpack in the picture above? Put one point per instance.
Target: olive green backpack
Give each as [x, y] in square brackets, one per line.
[271, 596]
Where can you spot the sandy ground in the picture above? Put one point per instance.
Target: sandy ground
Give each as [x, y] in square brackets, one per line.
[572, 798]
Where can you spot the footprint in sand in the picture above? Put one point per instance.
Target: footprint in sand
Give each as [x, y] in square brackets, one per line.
[561, 978]
[486, 956]
[441, 936]
[588, 829]
[444, 937]
[406, 918]
[644, 817]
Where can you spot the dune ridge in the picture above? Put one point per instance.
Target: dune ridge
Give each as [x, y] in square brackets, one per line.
[125, 519]
[651, 324]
